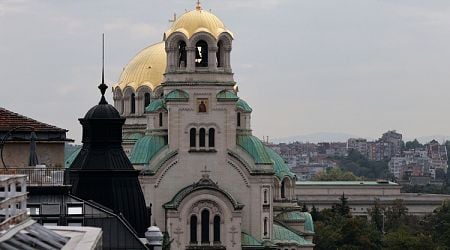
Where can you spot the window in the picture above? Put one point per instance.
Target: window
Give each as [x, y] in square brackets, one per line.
[238, 119]
[211, 138]
[265, 195]
[75, 209]
[182, 55]
[192, 135]
[216, 228]
[133, 104]
[202, 135]
[205, 226]
[201, 54]
[283, 191]
[146, 100]
[193, 228]
[219, 54]
[160, 119]
[265, 226]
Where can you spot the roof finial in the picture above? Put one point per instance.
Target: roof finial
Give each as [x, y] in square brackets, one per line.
[103, 86]
[198, 7]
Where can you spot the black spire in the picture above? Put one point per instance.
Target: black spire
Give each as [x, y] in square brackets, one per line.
[102, 171]
[103, 87]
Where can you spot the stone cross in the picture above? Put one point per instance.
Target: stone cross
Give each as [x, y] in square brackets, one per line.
[205, 172]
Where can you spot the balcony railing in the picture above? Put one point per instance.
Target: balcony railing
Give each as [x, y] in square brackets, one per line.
[38, 176]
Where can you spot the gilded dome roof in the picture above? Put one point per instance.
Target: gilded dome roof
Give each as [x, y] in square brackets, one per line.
[198, 20]
[145, 69]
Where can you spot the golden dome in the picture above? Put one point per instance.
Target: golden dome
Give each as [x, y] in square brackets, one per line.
[198, 20]
[145, 69]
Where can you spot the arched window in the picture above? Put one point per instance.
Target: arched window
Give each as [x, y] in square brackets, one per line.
[239, 119]
[182, 55]
[161, 119]
[205, 226]
[146, 100]
[219, 54]
[133, 104]
[192, 137]
[211, 138]
[216, 228]
[201, 54]
[283, 191]
[265, 226]
[193, 228]
[202, 135]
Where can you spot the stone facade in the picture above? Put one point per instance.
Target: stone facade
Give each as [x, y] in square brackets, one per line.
[210, 182]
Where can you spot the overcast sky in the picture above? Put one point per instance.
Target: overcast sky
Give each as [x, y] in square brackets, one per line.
[349, 66]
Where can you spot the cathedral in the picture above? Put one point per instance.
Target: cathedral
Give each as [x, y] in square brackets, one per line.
[210, 183]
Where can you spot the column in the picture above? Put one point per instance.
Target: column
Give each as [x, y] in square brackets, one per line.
[190, 66]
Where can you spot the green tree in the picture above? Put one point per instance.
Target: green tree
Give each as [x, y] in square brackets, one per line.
[413, 144]
[376, 214]
[314, 213]
[439, 222]
[402, 239]
[334, 231]
[335, 174]
[304, 208]
[396, 215]
[342, 208]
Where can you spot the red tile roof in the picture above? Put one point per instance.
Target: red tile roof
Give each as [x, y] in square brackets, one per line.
[10, 120]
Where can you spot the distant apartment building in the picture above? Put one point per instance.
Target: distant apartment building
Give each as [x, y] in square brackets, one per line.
[379, 150]
[430, 161]
[395, 141]
[396, 166]
[358, 144]
[338, 149]
[438, 155]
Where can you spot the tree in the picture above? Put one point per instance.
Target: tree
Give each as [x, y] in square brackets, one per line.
[314, 213]
[342, 208]
[396, 215]
[403, 239]
[335, 174]
[304, 208]
[413, 144]
[334, 231]
[439, 223]
[377, 215]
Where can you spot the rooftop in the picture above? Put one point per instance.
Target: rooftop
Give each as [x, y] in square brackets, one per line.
[10, 120]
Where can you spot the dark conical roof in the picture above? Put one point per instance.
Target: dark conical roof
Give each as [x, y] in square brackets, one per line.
[103, 110]
[102, 172]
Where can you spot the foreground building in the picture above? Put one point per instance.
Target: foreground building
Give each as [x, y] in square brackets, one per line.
[19, 231]
[211, 183]
[17, 131]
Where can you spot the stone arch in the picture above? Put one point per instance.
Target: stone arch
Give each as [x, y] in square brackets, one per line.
[174, 38]
[141, 97]
[210, 43]
[118, 99]
[158, 92]
[173, 50]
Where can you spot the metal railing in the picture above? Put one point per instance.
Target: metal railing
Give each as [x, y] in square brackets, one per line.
[37, 176]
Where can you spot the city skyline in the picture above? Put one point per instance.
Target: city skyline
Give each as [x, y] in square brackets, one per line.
[356, 68]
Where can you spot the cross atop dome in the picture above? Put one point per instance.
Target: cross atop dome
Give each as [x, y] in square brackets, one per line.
[198, 7]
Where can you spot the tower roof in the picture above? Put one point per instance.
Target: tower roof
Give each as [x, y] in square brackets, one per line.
[198, 20]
